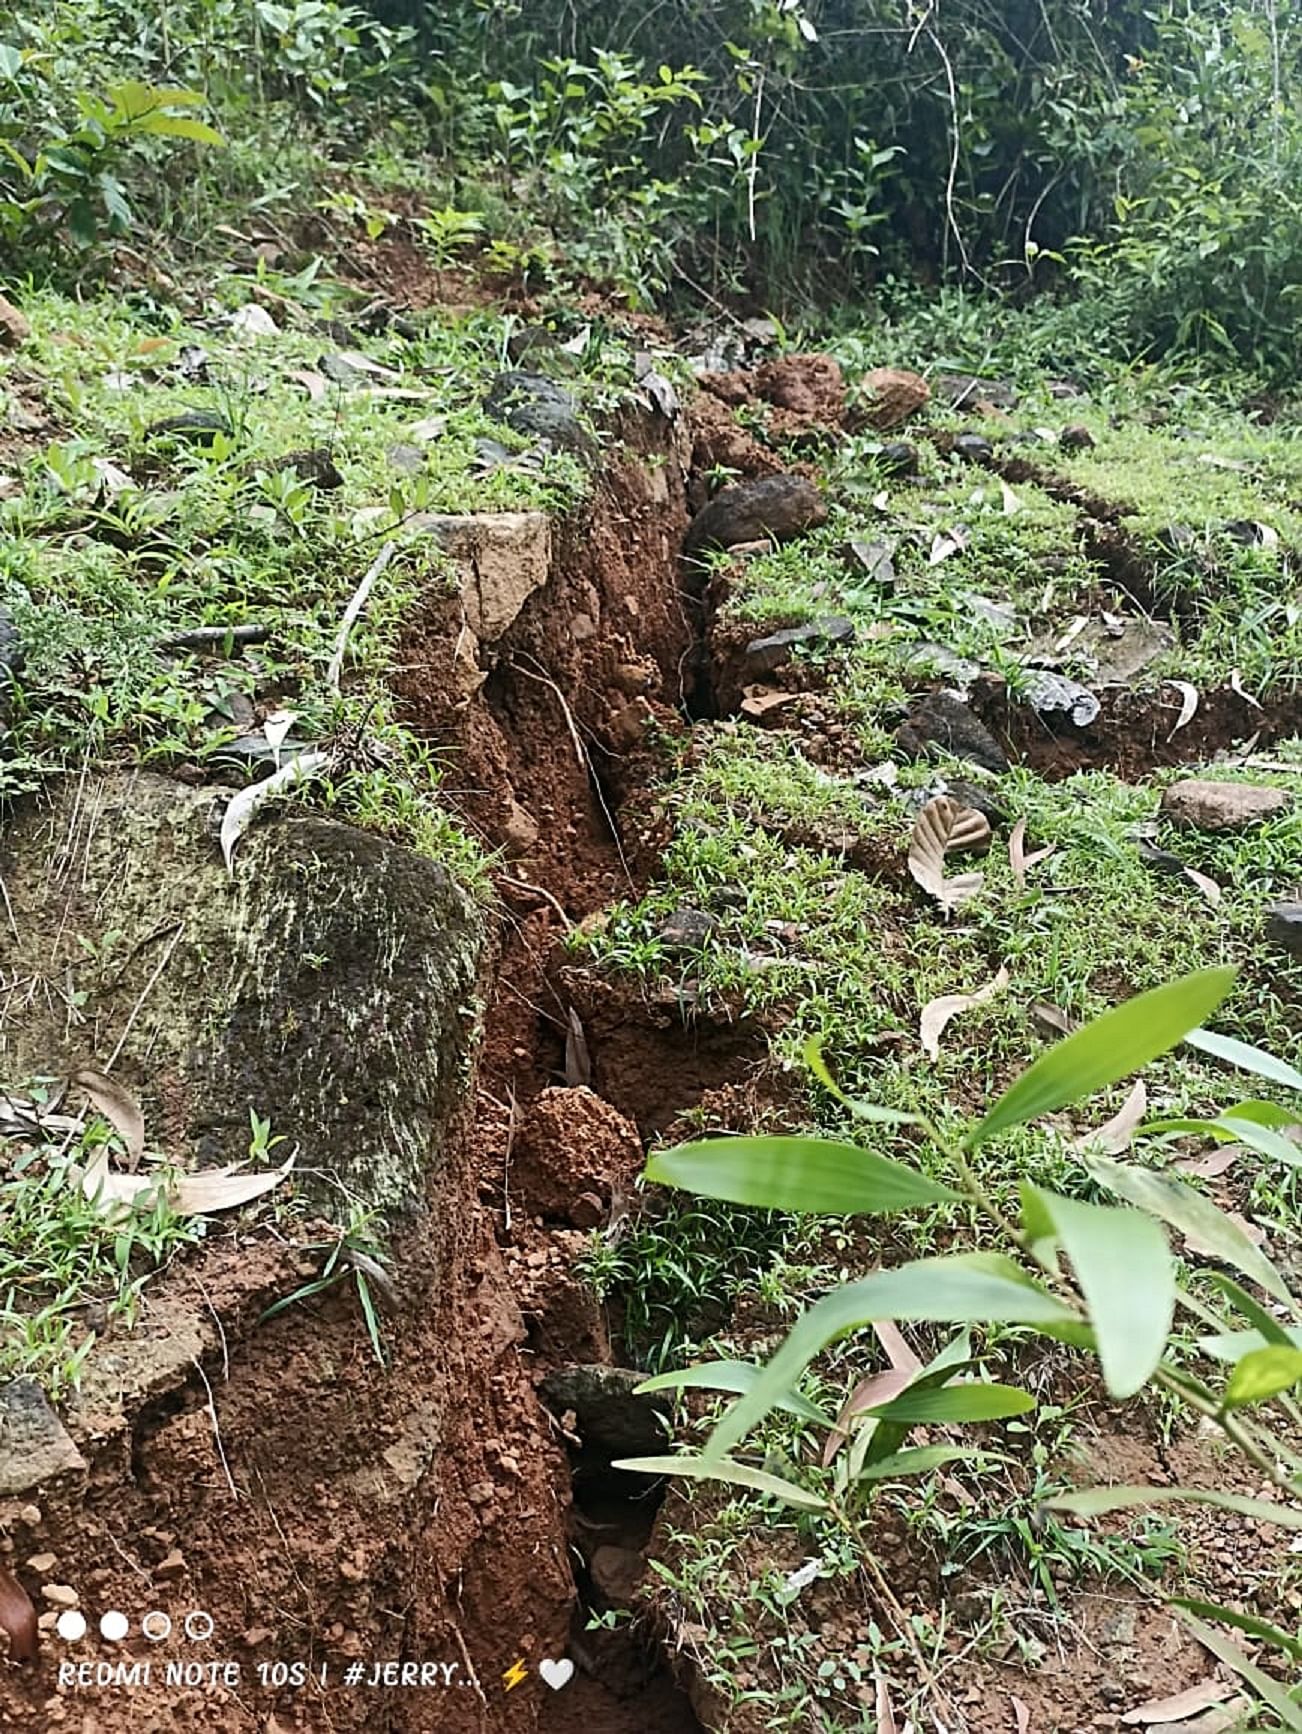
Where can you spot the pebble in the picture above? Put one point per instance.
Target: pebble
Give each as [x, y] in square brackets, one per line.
[974, 448]
[60, 1595]
[1209, 806]
[1284, 926]
[764, 655]
[1076, 438]
[43, 1562]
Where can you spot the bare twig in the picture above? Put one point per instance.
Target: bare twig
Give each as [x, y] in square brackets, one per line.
[145, 992]
[356, 603]
[210, 637]
[537, 891]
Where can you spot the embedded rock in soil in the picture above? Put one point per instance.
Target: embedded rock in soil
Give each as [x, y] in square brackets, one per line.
[199, 427]
[894, 394]
[34, 1447]
[1208, 806]
[324, 982]
[1076, 438]
[763, 655]
[974, 448]
[775, 508]
[610, 1416]
[687, 929]
[572, 1146]
[941, 720]
[962, 390]
[535, 405]
[898, 458]
[14, 328]
[809, 385]
[616, 1573]
[1284, 926]
[1047, 691]
[501, 559]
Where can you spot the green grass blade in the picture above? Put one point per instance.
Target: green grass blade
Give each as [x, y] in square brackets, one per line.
[735, 1377]
[955, 1403]
[1246, 1057]
[1269, 1691]
[822, 1176]
[722, 1469]
[1097, 1501]
[1113, 1046]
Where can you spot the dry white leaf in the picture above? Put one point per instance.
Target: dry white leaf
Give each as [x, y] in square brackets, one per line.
[1011, 502]
[1188, 703]
[1213, 1164]
[1116, 1135]
[1022, 1713]
[354, 358]
[1019, 860]
[242, 808]
[1209, 888]
[942, 827]
[937, 1013]
[188, 1194]
[1214, 462]
[1236, 685]
[112, 480]
[316, 385]
[355, 605]
[1183, 1705]
[883, 1709]
[947, 542]
[253, 321]
[898, 1352]
[430, 427]
[275, 728]
[118, 1106]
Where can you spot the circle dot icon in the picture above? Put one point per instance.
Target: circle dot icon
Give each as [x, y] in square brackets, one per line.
[114, 1626]
[157, 1626]
[198, 1626]
[71, 1625]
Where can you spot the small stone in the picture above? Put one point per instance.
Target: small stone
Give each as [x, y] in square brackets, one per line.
[898, 458]
[1076, 438]
[616, 1573]
[60, 1595]
[941, 720]
[520, 832]
[535, 405]
[31, 1516]
[14, 328]
[872, 560]
[764, 655]
[34, 1445]
[688, 929]
[1209, 806]
[1064, 389]
[43, 1562]
[172, 1565]
[1047, 691]
[198, 427]
[894, 394]
[406, 459]
[587, 1211]
[1284, 926]
[256, 1635]
[974, 448]
[769, 509]
[962, 390]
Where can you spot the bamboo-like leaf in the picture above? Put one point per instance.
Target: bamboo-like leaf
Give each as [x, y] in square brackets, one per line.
[1249, 1623]
[1269, 1691]
[736, 1377]
[971, 1402]
[1111, 1047]
[1245, 1057]
[1096, 1501]
[1189, 1212]
[922, 1459]
[820, 1175]
[1125, 1271]
[967, 1289]
[1256, 1315]
[1228, 1129]
[1234, 1345]
[1262, 1374]
[812, 1053]
[723, 1469]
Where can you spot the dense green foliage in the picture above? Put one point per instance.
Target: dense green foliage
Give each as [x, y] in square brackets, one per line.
[1149, 156]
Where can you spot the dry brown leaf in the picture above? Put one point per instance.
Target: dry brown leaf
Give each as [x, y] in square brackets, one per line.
[1022, 1713]
[938, 1012]
[1019, 860]
[757, 701]
[1183, 1705]
[188, 1194]
[1212, 1165]
[876, 1388]
[941, 827]
[118, 1106]
[1051, 1018]
[1116, 1135]
[1011, 502]
[578, 1061]
[898, 1352]
[1209, 888]
[884, 1711]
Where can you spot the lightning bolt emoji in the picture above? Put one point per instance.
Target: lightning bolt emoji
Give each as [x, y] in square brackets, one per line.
[515, 1675]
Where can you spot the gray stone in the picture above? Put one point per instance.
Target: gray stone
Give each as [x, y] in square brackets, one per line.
[1047, 692]
[769, 509]
[974, 448]
[406, 459]
[610, 1415]
[254, 754]
[535, 405]
[326, 982]
[1209, 806]
[198, 427]
[1284, 926]
[898, 458]
[944, 721]
[34, 1447]
[688, 929]
[763, 655]
[960, 389]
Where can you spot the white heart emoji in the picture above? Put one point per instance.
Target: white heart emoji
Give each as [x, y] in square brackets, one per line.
[557, 1674]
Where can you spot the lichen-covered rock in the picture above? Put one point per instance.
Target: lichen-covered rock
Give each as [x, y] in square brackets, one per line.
[535, 405]
[771, 508]
[327, 983]
[34, 1446]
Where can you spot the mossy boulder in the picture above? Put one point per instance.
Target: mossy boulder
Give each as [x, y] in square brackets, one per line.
[328, 982]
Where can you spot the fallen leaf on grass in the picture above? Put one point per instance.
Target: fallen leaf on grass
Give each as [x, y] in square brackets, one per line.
[1019, 860]
[242, 808]
[1212, 1165]
[1051, 1018]
[1011, 502]
[430, 427]
[1188, 704]
[1216, 462]
[1163, 861]
[316, 385]
[758, 701]
[1117, 1134]
[947, 542]
[943, 827]
[1183, 1705]
[253, 321]
[187, 1194]
[938, 1012]
[898, 1352]
[118, 1106]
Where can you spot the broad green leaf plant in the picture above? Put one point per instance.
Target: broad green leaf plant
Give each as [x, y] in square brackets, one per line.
[1098, 1276]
